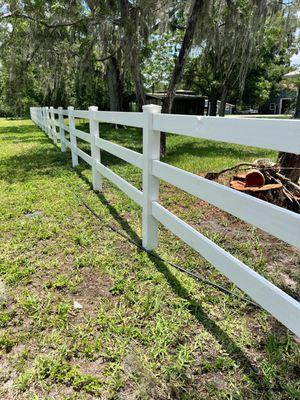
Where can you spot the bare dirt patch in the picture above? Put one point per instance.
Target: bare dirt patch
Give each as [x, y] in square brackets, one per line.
[94, 286]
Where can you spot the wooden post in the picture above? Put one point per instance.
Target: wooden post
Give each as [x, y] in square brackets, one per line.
[61, 130]
[73, 139]
[151, 151]
[95, 150]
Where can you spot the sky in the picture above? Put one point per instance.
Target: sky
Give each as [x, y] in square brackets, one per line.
[295, 59]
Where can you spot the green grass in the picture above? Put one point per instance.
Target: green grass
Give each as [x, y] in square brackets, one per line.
[145, 331]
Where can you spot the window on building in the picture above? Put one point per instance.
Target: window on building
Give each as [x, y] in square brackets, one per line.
[272, 106]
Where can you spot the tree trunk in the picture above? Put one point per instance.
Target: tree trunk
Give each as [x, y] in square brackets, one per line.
[223, 103]
[115, 87]
[138, 83]
[213, 107]
[297, 109]
[187, 41]
[291, 161]
[129, 19]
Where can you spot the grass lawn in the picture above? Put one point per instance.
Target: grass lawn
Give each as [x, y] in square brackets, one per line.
[145, 331]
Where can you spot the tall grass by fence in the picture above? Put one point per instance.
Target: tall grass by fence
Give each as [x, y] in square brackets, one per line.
[281, 135]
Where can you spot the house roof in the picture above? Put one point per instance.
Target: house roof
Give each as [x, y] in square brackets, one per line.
[182, 94]
[179, 95]
[292, 74]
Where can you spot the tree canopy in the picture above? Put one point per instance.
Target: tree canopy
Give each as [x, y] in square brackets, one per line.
[111, 52]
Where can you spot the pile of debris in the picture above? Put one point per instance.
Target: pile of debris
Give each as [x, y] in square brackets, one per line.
[264, 180]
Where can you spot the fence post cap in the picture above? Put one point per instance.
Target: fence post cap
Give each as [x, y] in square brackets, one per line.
[51, 107]
[92, 109]
[152, 108]
[71, 111]
[60, 108]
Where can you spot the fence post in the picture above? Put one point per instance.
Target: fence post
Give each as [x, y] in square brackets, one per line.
[51, 123]
[73, 139]
[45, 120]
[54, 137]
[41, 114]
[40, 117]
[151, 151]
[95, 150]
[47, 124]
[61, 129]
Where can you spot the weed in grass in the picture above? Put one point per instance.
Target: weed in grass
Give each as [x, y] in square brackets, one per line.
[57, 371]
[23, 381]
[13, 271]
[29, 302]
[6, 342]
[62, 281]
[6, 317]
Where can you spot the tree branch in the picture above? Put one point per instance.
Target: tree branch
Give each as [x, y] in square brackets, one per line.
[105, 58]
[41, 22]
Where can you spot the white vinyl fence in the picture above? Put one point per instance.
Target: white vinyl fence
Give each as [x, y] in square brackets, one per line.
[280, 135]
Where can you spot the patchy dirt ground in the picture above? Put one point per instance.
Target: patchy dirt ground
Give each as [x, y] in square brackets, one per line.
[141, 330]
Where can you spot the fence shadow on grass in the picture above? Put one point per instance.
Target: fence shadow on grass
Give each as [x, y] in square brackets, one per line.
[41, 158]
[22, 130]
[36, 161]
[194, 306]
[112, 210]
[19, 138]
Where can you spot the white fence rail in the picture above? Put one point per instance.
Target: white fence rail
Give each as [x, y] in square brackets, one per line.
[281, 135]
